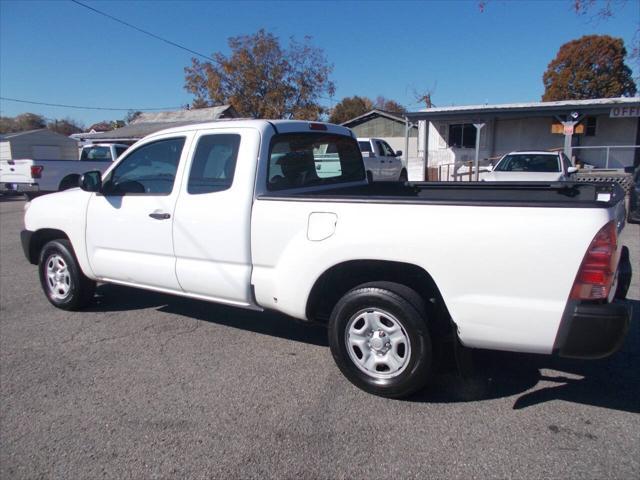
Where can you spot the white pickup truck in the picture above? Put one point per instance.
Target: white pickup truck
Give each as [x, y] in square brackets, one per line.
[382, 164]
[44, 176]
[235, 213]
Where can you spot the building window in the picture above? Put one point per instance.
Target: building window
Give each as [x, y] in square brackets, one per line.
[462, 135]
[590, 127]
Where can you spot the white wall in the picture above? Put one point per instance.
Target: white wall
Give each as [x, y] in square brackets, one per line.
[502, 136]
[46, 143]
[5, 151]
[609, 131]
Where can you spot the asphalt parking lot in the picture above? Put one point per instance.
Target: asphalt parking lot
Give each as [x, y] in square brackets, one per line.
[144, 385]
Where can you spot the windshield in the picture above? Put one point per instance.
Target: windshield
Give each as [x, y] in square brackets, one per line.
[299, 160]
[522, 162]
[96, 153]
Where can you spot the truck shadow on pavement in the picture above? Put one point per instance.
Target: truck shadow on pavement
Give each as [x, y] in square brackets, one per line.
[112, 298]
[612, 382]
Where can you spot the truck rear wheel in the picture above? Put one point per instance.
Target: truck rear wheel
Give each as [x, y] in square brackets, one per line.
[380, 339]
[62, 280]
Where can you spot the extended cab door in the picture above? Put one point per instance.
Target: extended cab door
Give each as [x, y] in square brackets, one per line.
[212, 227]
[386, 161]
[129, 225]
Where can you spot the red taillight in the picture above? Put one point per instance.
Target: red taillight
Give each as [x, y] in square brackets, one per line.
[317, 126]
[598, 268]
[36, 171]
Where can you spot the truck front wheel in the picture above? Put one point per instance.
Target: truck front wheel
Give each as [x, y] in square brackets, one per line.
[380, 340]
[62, 280]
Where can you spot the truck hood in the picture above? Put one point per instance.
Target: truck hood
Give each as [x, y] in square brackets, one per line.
[522, 176]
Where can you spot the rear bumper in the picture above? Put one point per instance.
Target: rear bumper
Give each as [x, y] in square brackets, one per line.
[596, 330]
[19, 187]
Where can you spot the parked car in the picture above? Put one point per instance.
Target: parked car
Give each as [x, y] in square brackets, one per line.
[381, 162]
[235, 213]
[531, 166]
[34, 177]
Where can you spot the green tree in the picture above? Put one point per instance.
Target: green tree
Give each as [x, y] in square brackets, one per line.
[262, 79]
[350, 107]
[589, 67]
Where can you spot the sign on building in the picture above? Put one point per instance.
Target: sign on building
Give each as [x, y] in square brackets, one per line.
[623, 112]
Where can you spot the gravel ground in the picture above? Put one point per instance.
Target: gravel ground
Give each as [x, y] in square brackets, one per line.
[144, 385]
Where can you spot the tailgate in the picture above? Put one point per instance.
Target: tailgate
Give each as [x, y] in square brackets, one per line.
[15, 171]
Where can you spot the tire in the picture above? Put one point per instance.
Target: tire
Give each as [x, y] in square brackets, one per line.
[369, 176]
[380, 339]
[403, 176]
[61, 278]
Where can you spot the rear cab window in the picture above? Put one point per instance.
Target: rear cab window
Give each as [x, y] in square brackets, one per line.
[298, 160]
[365, 146]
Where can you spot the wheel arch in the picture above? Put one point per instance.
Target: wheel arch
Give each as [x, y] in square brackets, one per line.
[340, 278]
[40, 238]
[68, 180]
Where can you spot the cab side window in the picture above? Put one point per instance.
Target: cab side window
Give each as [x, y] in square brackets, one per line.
[380, 147]
[214, 163]
[388, 151]
[150, 169]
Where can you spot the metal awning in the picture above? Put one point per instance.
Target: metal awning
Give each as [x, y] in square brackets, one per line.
[532, 109]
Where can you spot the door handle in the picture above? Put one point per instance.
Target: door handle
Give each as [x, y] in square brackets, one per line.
[160, 216]
[381, 161]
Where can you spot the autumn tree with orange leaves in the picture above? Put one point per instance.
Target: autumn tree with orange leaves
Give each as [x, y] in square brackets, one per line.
[589, 67]
[263, 79]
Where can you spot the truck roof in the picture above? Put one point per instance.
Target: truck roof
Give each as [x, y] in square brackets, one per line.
[281, 126]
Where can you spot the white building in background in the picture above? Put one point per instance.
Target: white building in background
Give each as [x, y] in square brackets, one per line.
[40, 144]
[604, 133]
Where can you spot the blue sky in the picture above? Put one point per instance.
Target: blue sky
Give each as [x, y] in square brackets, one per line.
[59, 52]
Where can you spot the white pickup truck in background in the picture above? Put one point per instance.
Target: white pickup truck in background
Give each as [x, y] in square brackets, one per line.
[34, 177]
[381, 162]
[236, 213]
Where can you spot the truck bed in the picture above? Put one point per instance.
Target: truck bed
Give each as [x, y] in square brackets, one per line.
[516, 194]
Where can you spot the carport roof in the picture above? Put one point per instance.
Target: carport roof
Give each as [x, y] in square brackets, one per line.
[532, 109]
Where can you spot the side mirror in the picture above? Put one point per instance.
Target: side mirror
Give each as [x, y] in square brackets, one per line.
[489, 168]
[398, 153]
[572, 169]
[91, 181]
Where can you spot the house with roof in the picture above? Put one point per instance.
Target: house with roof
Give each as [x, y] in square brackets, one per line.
[41, 144]
[151, 122]
[602, 133]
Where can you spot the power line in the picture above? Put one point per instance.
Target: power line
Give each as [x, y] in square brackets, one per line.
[157, 37]
[82, 107]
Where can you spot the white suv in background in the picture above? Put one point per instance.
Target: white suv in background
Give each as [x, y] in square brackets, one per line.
[531, 166]
[381, 162]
